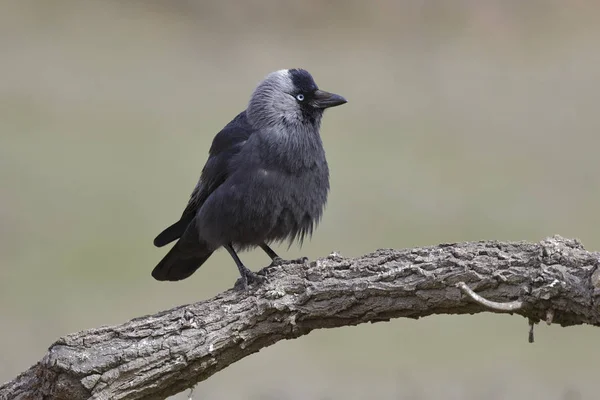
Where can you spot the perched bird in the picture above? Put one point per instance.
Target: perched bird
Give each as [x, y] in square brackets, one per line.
[266, 179]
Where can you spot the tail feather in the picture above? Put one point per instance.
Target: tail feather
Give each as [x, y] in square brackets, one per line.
[171, 233]
[178, 264]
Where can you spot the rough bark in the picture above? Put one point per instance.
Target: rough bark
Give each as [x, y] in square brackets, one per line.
[155, 356]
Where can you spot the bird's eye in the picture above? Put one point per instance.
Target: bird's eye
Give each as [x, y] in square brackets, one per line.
[300, 97]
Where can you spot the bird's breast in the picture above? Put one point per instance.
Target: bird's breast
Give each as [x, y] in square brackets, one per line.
[279, 188]
[298, 200]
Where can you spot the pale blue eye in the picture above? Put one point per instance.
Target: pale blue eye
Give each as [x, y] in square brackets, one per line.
[300, 97]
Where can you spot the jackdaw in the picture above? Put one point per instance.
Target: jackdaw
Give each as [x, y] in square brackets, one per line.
[266, 179]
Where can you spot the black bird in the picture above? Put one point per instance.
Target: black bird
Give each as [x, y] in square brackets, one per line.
[266, 179]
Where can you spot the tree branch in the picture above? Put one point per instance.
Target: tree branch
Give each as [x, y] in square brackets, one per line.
[159, 355]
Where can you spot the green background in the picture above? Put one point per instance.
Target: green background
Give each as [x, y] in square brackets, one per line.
[467, 120]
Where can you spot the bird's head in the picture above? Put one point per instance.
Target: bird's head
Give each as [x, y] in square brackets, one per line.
[290, 97]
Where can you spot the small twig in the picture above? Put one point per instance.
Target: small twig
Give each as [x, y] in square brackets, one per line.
[494, 305]
[549, 316]
[531, 324]
[191, 395]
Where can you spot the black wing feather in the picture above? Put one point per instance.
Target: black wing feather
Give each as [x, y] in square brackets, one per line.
[225, 145]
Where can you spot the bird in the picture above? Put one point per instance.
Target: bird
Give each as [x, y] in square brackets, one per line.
[266, 180]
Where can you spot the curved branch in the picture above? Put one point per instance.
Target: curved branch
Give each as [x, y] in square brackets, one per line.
[155, 356]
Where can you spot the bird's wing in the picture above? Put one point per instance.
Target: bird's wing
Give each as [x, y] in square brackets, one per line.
[225, 145]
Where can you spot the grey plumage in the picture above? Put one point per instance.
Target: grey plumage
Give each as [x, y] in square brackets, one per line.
[266, 179]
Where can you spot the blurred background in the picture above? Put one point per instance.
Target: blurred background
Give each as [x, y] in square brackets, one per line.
[467, 120]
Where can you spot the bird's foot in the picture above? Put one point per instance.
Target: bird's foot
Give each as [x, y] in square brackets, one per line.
[301, 260]
[276, 262]
[247, 278]
[280, 261]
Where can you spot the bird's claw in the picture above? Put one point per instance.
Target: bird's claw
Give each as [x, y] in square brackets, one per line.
[278, 261]
[301, 260]
[248, 277]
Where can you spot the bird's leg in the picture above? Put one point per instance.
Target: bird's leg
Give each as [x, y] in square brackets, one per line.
[276, 260]
[269, 251]
[247, 276]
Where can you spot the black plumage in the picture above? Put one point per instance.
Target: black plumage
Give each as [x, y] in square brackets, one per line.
[266, 179]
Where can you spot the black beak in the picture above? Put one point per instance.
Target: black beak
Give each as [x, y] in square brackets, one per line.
[323, 99]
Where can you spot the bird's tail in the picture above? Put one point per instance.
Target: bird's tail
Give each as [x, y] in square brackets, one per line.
[179, 264]
[171, 233]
